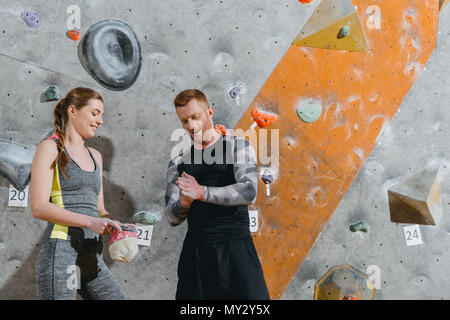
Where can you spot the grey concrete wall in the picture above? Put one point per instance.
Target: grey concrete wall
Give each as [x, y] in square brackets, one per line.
[209, 45]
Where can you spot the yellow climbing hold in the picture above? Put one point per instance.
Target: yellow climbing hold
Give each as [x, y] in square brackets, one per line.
[325, 26]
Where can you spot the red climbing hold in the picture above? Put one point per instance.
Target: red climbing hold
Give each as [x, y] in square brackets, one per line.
[75, 35]
[305, 1]
[263, 119]
[221, 128]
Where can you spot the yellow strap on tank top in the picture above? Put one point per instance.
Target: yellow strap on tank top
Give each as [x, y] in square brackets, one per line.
[59, 231]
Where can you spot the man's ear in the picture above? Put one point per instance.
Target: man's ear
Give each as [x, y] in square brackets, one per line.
[210, 111]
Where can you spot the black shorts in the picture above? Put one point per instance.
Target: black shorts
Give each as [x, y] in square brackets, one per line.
[217, 270]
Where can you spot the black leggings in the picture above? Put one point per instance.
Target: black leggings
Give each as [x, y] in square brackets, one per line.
[217, 270]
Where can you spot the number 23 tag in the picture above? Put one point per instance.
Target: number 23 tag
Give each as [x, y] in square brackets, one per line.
[253, 217]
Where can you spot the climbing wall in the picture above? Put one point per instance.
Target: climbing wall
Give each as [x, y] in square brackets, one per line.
[336, 91]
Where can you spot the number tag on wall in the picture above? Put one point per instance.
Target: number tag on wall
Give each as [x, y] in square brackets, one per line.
[17, 198]
[253, 217]
[144, 235]
[412, 235]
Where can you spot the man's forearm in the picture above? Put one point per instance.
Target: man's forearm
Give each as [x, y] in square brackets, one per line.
[237, 194]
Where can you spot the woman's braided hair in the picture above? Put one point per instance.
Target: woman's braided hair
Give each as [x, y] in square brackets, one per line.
[79, 98]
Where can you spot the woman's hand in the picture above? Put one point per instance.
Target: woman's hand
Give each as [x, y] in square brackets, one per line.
[104, 226]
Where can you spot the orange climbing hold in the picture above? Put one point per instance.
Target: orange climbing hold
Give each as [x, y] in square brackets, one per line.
[305, 1]
[75, 35]
[263, 119]
[221, 128]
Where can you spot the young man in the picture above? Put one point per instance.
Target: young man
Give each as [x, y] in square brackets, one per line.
[212, 185]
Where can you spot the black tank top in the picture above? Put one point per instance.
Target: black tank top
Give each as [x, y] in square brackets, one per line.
[208, 221]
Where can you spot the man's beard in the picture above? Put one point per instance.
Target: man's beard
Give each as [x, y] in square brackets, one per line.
[202, 137]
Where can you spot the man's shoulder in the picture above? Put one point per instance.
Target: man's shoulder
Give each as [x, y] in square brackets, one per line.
[176, 159]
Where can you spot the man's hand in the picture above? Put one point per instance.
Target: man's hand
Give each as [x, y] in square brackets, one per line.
[185, 201]
[189, 188]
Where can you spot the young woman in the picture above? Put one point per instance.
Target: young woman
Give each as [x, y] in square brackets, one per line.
[66, 190]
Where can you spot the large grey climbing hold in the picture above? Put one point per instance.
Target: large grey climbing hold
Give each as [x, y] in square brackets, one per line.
[416, 200]
[15, 163]
[111, 53]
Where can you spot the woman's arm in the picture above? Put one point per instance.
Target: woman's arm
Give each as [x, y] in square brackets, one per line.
[40, 190]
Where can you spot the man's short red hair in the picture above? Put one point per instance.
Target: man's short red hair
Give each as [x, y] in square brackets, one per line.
[185, 96]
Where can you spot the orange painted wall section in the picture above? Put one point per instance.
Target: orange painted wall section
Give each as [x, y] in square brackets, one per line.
[359, 93]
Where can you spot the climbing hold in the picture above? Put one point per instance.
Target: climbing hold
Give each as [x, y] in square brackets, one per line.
[111, 54]
[345, 30]
[263, 119]
[305, 1]
[309, 113]
[416, 200]
[443, 3]
[220, 128]
[359, 226]
[342, 282]
[151, 216]
[327, 21]
[15, 163]
[73, 34]
[51, 93]
[234, 92]
[123, 245]
[267, 178]
[32, 19]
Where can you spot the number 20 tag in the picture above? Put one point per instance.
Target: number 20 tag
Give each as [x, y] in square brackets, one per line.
[412, 235]
[144, 235]
[17, 198]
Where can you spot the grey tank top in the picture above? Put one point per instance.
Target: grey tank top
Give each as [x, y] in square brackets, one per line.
[77, 193]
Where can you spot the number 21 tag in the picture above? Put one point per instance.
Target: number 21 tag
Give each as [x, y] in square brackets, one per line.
[144, 235]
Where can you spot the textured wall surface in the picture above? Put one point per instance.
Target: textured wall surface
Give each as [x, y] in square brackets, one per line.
[210, 45]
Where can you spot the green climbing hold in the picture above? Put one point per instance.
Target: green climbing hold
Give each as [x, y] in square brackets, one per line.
[345, 30]
[52, 94]
[146, 217]
[309, 113]
[359, 226]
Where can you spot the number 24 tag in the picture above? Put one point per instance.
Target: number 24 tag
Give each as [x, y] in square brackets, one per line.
[412, 235]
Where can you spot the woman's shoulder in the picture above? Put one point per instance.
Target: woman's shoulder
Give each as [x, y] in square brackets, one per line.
[97, 155]
[47, 150]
